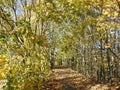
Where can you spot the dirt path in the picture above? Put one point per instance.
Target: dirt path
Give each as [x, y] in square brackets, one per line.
[68, 79]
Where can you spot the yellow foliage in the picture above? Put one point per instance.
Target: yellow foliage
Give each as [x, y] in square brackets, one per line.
[3, 73]
[105, 65]
[98, 29]
[106, 12]
[115, 14]
[70, 1]
[32, 37]
[108, 45]
[49, 5]
[114, 39]
[3, 69]
[2, 58]
[107, 6]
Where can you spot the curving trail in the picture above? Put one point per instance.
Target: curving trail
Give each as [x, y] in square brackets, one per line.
[68, 79]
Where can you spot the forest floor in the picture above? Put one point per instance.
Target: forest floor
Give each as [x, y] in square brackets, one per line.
[68, 79]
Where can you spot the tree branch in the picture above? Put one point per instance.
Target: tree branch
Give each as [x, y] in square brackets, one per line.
[114, 53]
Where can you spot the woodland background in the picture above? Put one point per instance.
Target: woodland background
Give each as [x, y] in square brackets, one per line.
[38, 35]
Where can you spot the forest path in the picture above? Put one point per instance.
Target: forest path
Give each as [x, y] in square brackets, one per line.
[68, 79]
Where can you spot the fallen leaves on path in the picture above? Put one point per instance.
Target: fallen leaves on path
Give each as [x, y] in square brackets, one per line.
[68, 79]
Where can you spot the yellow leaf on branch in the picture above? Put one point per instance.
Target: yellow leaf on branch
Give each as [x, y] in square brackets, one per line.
[107, 6]
[108, 45]
[3, 73]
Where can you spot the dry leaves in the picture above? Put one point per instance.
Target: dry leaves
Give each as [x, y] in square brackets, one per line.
[68, 79]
